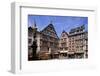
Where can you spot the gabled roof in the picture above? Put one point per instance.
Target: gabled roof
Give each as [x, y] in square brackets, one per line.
[65, 32]
[50, 26]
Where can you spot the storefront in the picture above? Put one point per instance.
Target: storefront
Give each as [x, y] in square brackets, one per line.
[79, 54]
[71, 55]
[63, 54]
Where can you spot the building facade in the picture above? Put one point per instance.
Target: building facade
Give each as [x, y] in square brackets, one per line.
[49, 46]
[63, 44]
[47, 42]
[77, 42]
[85, 47]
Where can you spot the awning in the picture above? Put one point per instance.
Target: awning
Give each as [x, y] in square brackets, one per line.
[70, 52]
[63, 51]
[79, 51]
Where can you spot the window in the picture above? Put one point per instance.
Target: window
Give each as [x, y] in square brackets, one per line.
[63, 35]
[63, 44]
[30, 34]
[64, 39]
[61, 48]
[66, 48]
[49, 33]
[51, 44]
[72, 38]
[48, 38]
[29, 40]
[77, 30]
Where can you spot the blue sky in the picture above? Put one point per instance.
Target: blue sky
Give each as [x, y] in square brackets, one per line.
[60, 22]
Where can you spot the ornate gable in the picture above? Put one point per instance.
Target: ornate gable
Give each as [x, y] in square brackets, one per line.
[50, 31]
[64, 34]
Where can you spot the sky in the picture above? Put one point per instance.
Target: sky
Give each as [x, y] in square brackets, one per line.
[60, 23]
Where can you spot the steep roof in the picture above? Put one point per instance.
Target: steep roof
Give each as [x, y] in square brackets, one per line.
[65, 32]
[52, 27]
